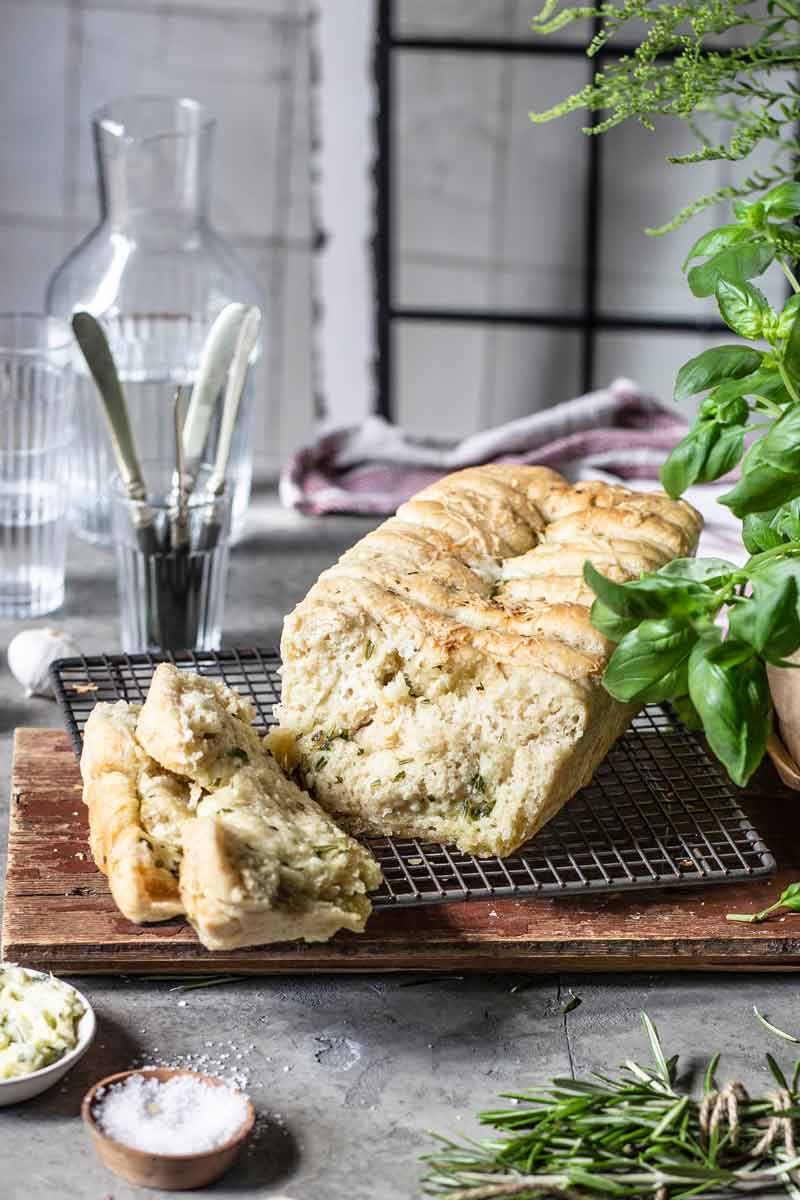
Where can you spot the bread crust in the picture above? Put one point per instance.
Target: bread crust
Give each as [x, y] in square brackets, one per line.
[117, 774]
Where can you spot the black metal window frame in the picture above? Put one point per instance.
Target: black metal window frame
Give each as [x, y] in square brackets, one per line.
[589, 319]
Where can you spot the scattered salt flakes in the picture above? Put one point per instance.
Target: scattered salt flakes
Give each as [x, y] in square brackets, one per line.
[80, 855]
[183, 1115]
[492, 912]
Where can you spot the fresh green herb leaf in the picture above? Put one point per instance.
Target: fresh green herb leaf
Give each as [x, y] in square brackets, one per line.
[711, 571]
[734, 264]
[733, 703]
[769, 620]
[791, 354]
[651, 662]
[782, 201]
[718, 239]
[781, 1033]
[765, 484]
[743, 308]
[656, 595]
[713, 366]
[685, 464]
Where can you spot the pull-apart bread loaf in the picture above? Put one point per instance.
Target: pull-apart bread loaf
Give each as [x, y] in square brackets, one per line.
[190, 814]
[443, 681]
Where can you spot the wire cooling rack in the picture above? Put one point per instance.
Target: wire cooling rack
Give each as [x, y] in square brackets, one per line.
[658, 812]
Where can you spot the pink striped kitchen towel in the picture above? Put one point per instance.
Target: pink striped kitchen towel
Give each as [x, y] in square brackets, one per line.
[617, 433]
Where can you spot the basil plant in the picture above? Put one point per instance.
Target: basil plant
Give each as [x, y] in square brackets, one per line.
[670, 644]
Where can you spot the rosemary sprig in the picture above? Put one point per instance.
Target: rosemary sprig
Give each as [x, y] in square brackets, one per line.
[633, 1134]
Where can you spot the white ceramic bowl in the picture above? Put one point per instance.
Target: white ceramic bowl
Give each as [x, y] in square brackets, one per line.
[24, 1087]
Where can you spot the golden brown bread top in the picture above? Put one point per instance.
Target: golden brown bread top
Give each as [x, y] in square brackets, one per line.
[490, 560]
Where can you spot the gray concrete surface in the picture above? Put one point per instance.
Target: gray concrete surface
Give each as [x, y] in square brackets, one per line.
[348, 1073]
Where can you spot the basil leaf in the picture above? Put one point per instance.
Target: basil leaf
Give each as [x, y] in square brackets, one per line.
[651, 662]
[782, 201]
[730, 653]
[766, 484]
[724, 454]
[683, 466]
[788, 315]
[700, 570]
[609, 623]
[734, 706]
[758, 533]
[791, 351]
[781, 445]
[743, 308]
[769, 619]
[786, 521]
[785, 239]
[736, 263]
[718, 239]
[651, 596]
[713, 366]
[726, 403]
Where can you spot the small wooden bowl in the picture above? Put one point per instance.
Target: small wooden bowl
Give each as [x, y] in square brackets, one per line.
[171, 1172]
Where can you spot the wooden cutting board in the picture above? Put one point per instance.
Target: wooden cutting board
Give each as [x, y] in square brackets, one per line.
[59, 914]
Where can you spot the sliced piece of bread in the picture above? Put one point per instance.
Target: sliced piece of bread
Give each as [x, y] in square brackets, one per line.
[136, 814]
[262, 862]
[196, 726]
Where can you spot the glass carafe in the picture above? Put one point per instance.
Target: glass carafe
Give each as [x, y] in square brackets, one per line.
[155, 274]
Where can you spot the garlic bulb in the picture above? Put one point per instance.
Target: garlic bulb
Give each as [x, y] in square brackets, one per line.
[30, 654]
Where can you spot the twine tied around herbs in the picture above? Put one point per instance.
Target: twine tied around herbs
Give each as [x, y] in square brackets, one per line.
[717, 1105]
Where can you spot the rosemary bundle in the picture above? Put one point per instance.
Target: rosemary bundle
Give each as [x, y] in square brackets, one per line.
[639, 1133]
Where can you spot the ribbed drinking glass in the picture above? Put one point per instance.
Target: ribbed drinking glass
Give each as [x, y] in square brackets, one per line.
[36, 411]
[170, 597]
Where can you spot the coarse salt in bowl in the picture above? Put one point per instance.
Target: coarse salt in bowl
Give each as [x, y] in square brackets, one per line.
[167, 1128]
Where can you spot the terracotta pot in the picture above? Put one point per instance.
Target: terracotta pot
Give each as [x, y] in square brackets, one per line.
[784, 743]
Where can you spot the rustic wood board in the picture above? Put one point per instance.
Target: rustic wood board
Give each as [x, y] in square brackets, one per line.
[59, 914]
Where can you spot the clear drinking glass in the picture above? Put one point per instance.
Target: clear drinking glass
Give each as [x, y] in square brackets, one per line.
[155, 274]
[36, 410]
[171, 597]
